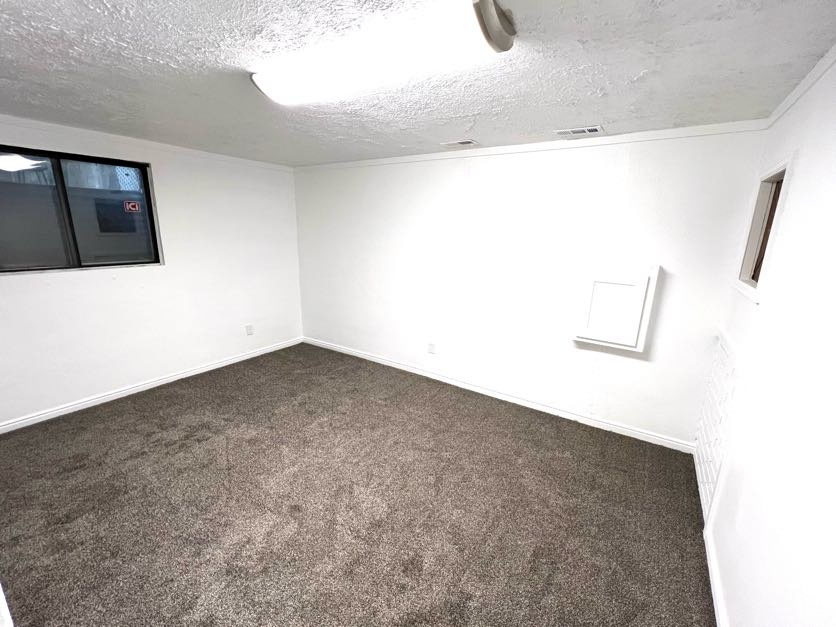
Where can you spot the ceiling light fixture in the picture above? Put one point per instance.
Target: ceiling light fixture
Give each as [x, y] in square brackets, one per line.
[496, 26]
[18, 163]
[443, 37]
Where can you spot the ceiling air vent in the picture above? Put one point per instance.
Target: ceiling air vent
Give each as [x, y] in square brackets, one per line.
[461, 143]
[581, 131]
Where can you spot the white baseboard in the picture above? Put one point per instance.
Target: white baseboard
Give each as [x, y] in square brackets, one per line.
[635, 432]
[617, 427]
[17, 423]
[720, 613]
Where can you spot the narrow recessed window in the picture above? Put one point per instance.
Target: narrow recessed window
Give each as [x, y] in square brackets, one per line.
[766, 207]
[72, 211]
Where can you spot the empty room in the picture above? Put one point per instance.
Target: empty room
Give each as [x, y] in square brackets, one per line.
[417, 312]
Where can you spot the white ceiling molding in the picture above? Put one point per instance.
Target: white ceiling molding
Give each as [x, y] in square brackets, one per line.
[807, 83]
[745, 126]
[178, 72]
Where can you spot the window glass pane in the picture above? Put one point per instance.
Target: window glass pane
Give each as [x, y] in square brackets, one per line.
[32, 230]
[101, 176]
[110, 213]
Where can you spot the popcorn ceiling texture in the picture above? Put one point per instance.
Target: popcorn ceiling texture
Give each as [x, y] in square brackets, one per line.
[178, 72]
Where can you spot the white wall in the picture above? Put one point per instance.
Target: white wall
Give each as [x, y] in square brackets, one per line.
[228, 230]
[485, 256]
[5, 616]
[771, 530]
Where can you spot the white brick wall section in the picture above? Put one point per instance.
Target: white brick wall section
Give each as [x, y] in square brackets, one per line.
[712, 419]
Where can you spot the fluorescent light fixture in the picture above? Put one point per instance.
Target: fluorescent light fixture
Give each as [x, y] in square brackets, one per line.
[17, 163]
[440, 38]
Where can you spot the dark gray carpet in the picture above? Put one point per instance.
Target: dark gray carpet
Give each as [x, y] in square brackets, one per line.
[306, 487]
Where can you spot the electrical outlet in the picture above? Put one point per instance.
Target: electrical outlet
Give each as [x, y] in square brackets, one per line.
[250, 329]
[431, 348]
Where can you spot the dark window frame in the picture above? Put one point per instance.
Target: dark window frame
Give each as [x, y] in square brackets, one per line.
[772, 193]
[775, 198]
[55, 159]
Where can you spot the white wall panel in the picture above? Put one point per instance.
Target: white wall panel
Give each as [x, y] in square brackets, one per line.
[486, 258]
[770, 532]
[228, 231]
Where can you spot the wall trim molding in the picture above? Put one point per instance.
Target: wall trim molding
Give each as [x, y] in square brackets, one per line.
[807, 83]
[737, 126]
[98, 399]
[742, 126]
[128, 144]
[608, 425]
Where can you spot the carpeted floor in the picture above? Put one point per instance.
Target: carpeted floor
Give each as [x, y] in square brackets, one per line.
[307, 487]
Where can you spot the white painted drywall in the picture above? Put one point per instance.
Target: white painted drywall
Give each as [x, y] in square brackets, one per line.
[487, 258]
[228, 230]
[5, 616]
[771, 534]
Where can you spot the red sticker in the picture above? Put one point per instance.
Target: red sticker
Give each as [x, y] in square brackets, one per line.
[132, 206]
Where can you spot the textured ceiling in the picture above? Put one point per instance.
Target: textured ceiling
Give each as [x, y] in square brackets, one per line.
[176, 71]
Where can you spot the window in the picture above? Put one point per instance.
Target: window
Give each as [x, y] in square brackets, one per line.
[71, 211]
[762, 223]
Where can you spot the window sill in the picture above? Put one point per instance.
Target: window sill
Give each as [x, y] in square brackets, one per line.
[113, 266]
[748, 291]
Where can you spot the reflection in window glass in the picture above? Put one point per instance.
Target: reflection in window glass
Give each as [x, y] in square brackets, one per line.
[100, 176]
[110, 213]
[32, 229]
[25, 169]
[70, 211]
